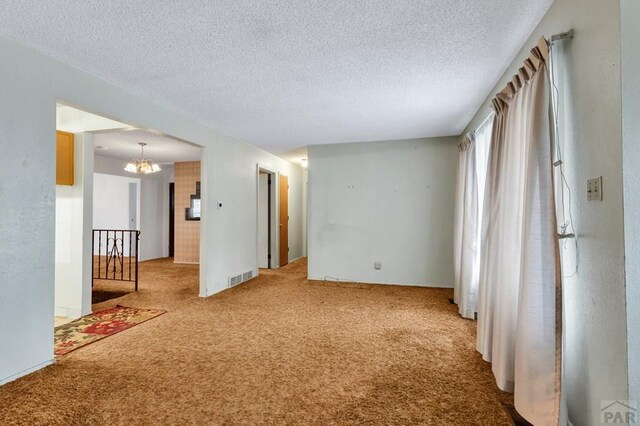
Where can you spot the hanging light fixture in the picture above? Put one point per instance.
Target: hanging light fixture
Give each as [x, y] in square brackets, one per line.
[142, 166]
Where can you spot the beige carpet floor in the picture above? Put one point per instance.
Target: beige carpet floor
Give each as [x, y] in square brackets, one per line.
[276, 350]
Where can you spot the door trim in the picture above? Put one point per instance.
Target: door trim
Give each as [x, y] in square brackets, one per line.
[275, 211]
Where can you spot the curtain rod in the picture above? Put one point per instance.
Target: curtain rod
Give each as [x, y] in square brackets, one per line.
[490, 116]
[567, 35]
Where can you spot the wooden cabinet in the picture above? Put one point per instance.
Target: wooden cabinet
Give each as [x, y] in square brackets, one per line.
[64, 158]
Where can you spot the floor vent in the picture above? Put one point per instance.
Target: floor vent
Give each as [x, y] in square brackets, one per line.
[234, 280]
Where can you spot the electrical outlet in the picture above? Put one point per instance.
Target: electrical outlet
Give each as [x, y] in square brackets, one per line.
[377, 265]
[594, 189]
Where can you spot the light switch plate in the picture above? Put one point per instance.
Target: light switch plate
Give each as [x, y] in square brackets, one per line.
[377, 265]
[594, 189]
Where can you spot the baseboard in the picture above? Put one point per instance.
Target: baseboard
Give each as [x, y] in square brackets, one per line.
[67, 312]
[343, 280]
[255, 275]
[25, 372]
[296, 259]
[207, 294]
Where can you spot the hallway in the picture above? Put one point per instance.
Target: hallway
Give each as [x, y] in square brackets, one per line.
[276, 350]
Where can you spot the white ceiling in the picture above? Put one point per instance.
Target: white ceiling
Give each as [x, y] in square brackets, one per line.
[161, 149]
[287, 73]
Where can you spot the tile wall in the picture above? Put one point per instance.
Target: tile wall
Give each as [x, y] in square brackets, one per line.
[187, 232]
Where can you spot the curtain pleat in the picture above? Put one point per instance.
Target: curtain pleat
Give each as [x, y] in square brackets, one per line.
[537, 385]
[507, 242]
[489, 227]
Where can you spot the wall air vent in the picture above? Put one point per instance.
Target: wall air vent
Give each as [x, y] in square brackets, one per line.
[234, 280]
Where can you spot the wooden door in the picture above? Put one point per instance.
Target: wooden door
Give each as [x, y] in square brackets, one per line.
[284, 220]
[64, 158]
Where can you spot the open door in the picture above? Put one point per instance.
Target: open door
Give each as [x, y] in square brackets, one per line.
[284, 220]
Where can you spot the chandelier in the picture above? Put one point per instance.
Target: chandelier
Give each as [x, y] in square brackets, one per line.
[142, 166]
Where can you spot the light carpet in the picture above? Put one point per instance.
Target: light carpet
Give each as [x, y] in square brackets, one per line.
[276, 350]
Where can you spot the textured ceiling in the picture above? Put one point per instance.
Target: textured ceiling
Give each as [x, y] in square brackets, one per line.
[161, 149]
[287, 73]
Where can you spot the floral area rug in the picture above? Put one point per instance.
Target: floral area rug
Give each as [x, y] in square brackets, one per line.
[97, 326]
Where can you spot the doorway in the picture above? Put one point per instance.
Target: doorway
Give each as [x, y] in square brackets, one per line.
[95, 191]
[267, 211]
[72, 298]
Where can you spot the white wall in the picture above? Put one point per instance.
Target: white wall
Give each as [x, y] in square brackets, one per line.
[154, 214]
[73, 235]
[630, 12]
[153, 211]
[263, 221]
[111, 201]
[296, 210]
[382, 201]
[305, 192]
[31, 84]
[595, 321]
[233, 227]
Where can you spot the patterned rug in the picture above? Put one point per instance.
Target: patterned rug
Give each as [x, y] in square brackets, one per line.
[97, 326]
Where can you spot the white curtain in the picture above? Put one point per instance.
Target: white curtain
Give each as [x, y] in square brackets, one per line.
[539, 332]
[459, 219]
[488, 265]
[471, 177]
[468, 286]
[518, 311]
[482, 137]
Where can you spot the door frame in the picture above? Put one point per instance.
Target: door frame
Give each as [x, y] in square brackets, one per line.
[274, 245]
